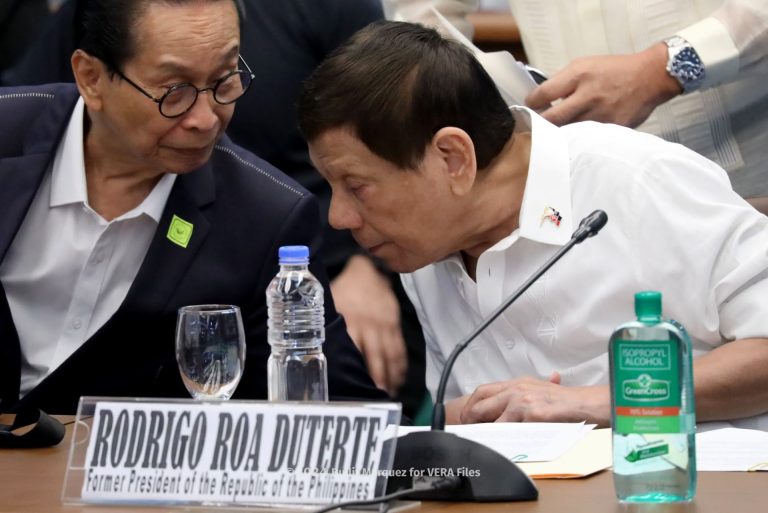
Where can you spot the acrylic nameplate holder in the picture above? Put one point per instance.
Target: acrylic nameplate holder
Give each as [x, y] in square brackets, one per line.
[228, 453]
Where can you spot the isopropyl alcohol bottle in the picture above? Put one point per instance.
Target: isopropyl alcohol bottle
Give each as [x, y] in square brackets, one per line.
[652, 407]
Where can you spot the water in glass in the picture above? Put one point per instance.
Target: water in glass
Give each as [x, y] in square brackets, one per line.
[210, 349]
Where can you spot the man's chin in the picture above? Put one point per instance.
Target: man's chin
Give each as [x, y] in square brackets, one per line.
[403, 267]
[187, 166]
[186, 161]
[397, 260]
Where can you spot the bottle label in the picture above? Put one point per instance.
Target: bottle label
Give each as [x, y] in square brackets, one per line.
[646, 387]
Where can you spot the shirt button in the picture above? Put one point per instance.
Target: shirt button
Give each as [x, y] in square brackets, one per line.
[77, 323]
[98, 257]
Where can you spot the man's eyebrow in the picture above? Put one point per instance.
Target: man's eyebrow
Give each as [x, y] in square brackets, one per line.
[233, 52]
[175, 68]
[172, 67]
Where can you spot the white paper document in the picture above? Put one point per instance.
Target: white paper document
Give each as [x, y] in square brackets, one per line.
[520, 441]
[732, 449]
[510, 76]
[589, 456]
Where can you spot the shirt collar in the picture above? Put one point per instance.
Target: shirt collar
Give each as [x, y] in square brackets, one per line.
[546, 214]
[154, 204]
[547, 187]
[68, 184]
[68, 175]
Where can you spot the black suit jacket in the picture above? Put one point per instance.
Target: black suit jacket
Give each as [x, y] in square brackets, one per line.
[242, 210]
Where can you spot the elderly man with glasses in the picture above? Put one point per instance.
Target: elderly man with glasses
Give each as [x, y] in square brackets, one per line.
[123, 200]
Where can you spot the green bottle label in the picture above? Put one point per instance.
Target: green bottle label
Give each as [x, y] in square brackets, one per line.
[646, 387]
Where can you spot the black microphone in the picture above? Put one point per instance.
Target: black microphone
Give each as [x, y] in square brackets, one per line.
[487, 476]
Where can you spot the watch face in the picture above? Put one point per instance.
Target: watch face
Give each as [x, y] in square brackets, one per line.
[687, 65]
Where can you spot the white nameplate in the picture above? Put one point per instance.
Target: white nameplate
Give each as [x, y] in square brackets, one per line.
[233, 453]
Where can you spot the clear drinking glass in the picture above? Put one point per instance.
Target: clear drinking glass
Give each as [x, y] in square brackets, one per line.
[210, 349]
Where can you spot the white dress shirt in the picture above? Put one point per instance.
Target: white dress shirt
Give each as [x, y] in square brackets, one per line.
[674, 225]
[68, 269]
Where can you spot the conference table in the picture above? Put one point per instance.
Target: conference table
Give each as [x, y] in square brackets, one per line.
[31, 482]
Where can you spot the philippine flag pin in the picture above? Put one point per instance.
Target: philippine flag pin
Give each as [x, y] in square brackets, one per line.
[551, 214]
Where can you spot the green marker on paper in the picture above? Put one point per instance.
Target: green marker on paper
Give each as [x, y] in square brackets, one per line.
[651, 450]
[180, 231]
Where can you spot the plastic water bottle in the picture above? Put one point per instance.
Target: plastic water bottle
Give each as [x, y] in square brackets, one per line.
[297, 369]
[652, 405]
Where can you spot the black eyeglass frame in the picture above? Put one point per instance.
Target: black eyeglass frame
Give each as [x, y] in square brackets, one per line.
[176, 87]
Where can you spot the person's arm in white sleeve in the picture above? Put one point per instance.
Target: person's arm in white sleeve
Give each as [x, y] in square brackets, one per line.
[624, 89]
[731, 42]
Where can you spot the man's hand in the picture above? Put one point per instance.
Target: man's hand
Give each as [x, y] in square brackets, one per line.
[365, 298]
[532, 400]
[621, 89]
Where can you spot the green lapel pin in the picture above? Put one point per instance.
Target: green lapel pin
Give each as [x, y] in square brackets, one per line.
[180, 231]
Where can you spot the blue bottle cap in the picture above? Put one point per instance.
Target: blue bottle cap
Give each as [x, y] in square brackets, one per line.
[293, 255]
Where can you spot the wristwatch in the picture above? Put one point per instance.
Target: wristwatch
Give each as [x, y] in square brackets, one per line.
[684, 64]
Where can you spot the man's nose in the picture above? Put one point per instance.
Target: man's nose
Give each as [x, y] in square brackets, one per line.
[342, 216]
[202, 116]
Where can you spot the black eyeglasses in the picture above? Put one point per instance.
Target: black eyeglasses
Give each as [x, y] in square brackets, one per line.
[179, 98]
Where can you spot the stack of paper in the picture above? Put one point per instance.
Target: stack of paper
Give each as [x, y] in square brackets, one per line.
[732, 449]
[589, 456]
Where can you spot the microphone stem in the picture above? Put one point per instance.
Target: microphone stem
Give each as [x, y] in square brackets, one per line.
[438, 413]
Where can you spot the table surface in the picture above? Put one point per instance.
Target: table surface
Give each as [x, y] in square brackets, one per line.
[31, 481]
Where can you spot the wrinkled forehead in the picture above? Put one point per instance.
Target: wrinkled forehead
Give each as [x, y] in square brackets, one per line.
[192, 24]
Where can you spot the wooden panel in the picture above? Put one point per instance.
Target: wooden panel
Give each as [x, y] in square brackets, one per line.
[497, 30]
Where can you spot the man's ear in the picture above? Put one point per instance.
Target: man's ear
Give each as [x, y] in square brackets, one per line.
[454, 146]
[91, 76]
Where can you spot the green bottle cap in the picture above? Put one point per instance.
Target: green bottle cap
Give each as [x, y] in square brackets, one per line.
[648, 306]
